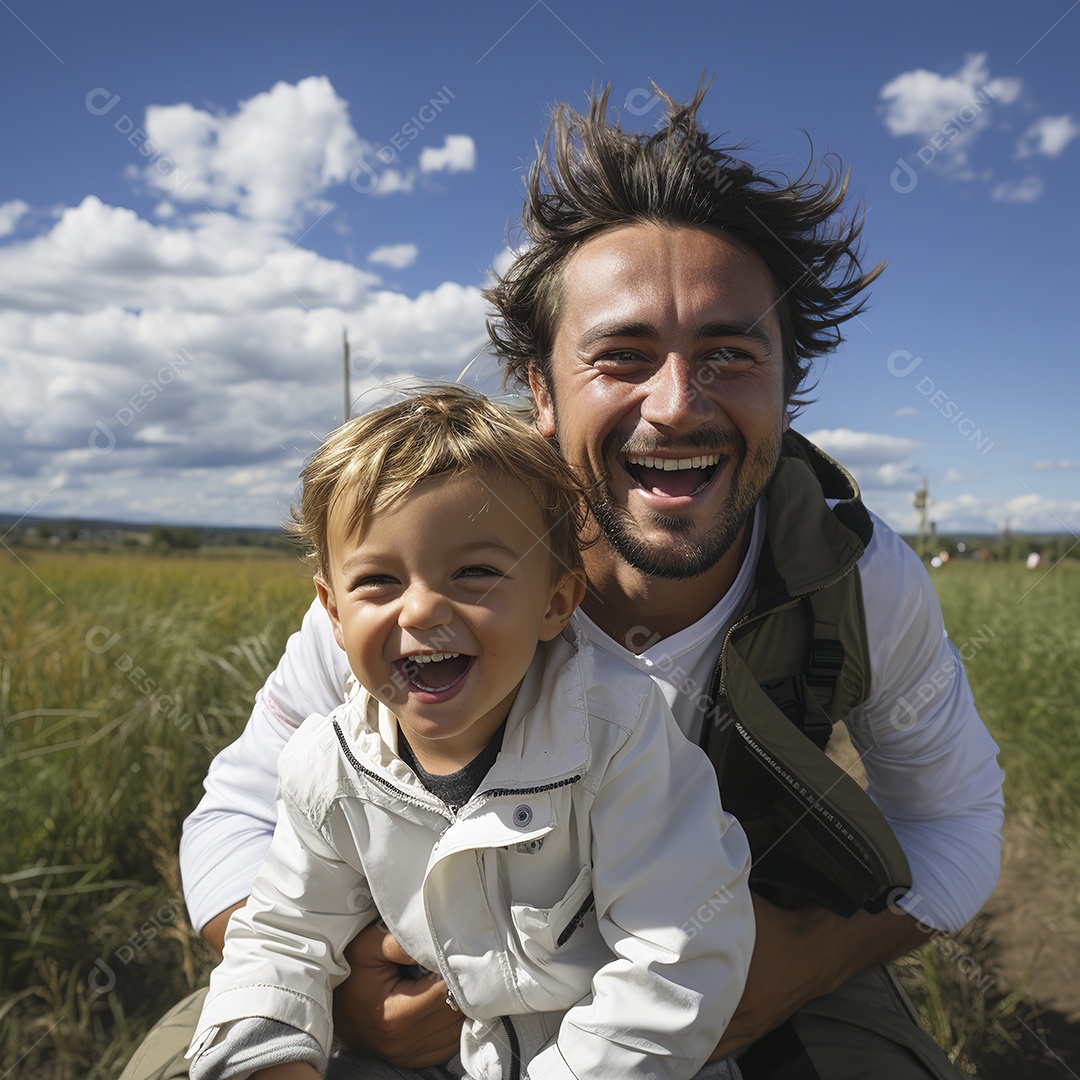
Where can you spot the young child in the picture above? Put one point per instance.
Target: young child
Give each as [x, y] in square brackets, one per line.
[519, 809]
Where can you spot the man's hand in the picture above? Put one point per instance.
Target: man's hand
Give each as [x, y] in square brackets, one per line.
[296, 1070]
[802, 955]
[376, 1011]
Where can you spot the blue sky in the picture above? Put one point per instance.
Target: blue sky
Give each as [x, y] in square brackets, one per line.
[196, 199]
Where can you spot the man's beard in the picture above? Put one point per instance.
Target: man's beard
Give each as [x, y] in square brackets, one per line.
[678, 556]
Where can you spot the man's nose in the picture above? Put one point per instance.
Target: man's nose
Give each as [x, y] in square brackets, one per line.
[675, 397]
[424, 608]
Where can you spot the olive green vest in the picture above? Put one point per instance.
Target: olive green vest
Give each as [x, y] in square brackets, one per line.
[793, 664]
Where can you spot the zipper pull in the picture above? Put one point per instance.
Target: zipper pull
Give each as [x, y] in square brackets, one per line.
[451, 1002]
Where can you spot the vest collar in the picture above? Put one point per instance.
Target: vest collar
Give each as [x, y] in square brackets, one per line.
[808, 545]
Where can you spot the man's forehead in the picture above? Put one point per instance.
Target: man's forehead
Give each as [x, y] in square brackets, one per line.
[647, 274]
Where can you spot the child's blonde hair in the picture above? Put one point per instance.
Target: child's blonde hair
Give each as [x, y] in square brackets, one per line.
[372, 461]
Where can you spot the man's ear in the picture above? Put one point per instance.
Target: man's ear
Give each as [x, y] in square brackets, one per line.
[567, 593]
[545, 410]
[326, 598]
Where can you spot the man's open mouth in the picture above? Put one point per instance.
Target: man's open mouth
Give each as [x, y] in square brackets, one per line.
[672, 477]
[434, 672]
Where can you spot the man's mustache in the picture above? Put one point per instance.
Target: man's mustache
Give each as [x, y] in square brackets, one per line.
[712, 439]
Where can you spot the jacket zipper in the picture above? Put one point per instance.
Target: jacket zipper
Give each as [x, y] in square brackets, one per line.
[383, 782]
[515, 1047]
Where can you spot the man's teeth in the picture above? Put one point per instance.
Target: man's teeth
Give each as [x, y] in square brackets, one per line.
[674, 464]
[431, 658]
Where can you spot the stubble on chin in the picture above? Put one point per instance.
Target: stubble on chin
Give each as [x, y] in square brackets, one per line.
[677, 556]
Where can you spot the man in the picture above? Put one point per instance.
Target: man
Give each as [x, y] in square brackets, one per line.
[665, 318]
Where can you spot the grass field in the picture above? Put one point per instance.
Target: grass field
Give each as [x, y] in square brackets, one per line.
[122, 674]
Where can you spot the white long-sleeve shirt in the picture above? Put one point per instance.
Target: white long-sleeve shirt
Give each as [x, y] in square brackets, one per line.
[930, 762]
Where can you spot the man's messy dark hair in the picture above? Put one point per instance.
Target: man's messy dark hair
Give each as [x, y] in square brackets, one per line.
[591, 176]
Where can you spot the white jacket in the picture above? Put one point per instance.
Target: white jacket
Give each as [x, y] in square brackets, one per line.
[593, 871]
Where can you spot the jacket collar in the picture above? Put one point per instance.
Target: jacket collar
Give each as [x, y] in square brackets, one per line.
[552, 746]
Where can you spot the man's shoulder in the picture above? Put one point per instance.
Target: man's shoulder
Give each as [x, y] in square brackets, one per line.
[890, 564]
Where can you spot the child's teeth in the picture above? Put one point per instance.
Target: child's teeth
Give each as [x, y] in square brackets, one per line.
[433, 658]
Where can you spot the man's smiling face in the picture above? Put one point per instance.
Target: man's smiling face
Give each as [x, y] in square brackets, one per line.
[667, 390]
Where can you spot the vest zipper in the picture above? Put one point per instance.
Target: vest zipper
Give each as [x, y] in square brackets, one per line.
[719, 688]
[718, 673]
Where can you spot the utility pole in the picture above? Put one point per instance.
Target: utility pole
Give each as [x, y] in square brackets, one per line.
[922, 500]
[345, 365]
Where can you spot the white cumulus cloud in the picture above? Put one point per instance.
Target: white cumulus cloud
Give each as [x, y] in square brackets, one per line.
[267, 160]
[1027, 190]
[1048, 136]
[919, 102]
[11, 213]
[878, 462]
[397, 256]
[147, 362]
[457, 154]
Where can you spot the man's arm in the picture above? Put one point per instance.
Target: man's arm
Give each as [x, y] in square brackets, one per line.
[802, 955]
[214, 931]
[405, 1022]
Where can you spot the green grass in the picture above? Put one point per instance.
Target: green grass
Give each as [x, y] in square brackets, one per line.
[121, 674]
[120, 677]
[1026, 626]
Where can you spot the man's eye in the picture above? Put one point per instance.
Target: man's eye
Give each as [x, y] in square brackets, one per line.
[620, 360]
[729, 358]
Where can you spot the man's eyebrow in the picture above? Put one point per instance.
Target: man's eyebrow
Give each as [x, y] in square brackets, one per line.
[617, 330]
[752, 330]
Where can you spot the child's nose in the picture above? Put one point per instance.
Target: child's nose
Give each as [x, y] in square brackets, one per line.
[424, 608]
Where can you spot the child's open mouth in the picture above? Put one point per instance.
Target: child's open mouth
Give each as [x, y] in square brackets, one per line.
[434, 673]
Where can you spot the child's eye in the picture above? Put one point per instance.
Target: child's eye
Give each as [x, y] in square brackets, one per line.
[478, 571]
[374, 581]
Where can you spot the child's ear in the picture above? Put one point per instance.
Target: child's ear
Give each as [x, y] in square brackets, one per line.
[567, 593]
[326, 598]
